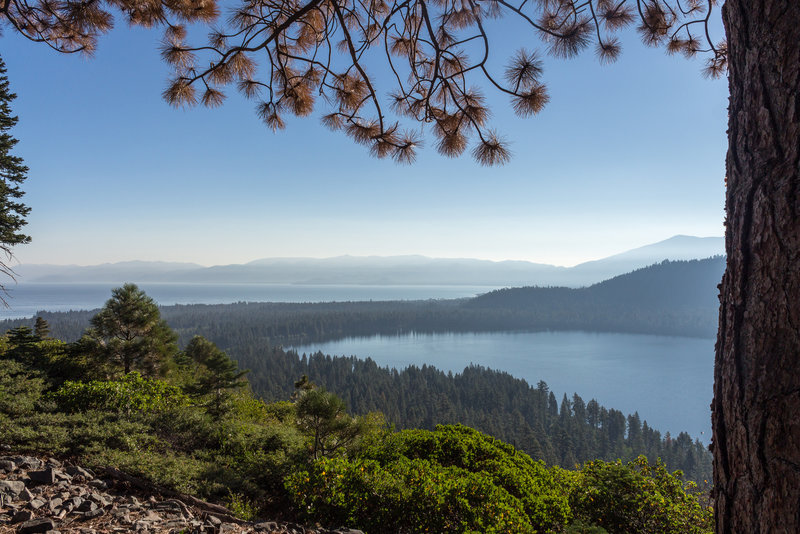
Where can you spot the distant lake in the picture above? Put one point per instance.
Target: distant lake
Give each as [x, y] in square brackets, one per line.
[27, 299]
[668, 380]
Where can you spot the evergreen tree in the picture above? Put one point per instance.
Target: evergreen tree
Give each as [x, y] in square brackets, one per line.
[323, 416]
[216, 373]
[128, 334]
[12, 173]
[41, 328]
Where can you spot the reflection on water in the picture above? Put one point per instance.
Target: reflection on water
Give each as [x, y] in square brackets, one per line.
[668, 380]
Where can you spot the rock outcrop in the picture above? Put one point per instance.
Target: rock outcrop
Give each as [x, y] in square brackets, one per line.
[45, 495]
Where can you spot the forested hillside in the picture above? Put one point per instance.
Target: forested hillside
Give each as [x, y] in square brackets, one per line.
[562, 431]
[670, 298]
[125, 397]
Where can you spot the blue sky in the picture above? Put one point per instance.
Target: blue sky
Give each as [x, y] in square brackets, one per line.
[624, 155]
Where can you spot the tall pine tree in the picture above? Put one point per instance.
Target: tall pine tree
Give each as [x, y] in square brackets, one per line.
[12, 173]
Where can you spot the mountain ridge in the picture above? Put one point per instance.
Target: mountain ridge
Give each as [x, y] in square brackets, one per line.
[381, 270]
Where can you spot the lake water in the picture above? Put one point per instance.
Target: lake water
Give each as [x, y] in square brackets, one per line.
[25, 300]
[668, 380]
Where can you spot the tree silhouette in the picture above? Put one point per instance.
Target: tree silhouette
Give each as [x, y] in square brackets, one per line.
[12, 173]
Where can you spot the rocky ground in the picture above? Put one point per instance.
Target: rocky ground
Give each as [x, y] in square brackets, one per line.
[47, 495]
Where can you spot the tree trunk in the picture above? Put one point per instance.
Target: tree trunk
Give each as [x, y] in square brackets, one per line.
[756, 408]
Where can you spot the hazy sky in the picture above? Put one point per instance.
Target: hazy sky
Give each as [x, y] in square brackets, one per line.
[624, 155]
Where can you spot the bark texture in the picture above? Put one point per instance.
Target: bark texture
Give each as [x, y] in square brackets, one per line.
[756, 408]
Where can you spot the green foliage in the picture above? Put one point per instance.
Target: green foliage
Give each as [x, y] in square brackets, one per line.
[132, 393]
[638, 498]
[41, 328]
[215, 374]
[20, 388]
[406, 495]
[12, 173]
[537, 487]
[241, 506]
[323, 416]
[454, 479]
[128, 334]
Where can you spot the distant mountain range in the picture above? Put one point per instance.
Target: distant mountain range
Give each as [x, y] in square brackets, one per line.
[375, 270]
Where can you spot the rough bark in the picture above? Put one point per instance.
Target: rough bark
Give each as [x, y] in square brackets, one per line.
[756, 408]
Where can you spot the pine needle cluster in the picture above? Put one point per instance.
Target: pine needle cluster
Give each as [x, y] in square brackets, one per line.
[286, 54]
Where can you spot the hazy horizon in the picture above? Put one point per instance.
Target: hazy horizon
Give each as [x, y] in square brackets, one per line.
[359, 256]
[623, 155]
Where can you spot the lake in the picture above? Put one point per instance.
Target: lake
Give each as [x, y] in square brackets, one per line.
[25, 300]
[668, 380]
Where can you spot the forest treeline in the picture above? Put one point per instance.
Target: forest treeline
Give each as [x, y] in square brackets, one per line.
[125, 395]
[669, 298]
[564, 432]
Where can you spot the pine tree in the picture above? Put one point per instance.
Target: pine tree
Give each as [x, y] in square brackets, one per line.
[128, 334]
[12, 173]
[216, 373]
[41, 328]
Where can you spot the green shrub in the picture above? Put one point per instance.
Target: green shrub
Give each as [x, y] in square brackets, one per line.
[539, 488]
[405, 496]
[454, 479]
[131, 393]
[20, 388]
[638, 498]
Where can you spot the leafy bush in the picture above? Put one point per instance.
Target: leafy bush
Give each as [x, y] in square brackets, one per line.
[537, 487]
[454, 479]
[20, 388]
[405, 496]
[638, 498]
[131, 393]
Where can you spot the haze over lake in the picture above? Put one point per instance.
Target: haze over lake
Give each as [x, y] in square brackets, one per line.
[25, 300]
[668, 380]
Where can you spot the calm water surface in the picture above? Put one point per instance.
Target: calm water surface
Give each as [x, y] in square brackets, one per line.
[668, 380]
[25, 300]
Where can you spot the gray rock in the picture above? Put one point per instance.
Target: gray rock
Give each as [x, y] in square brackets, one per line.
[214, 520]
[27, 462]
[11, 488]
[269, 526]
[45, 476]
[7, 466]
[62, 476]
[35, 504]
[22, 516]
[55, 502]
[87, 506]
[99, 484]
[43, 524]
[74, 470]
[97, 512]
[151, 516]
